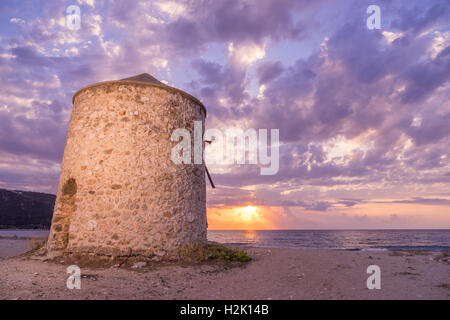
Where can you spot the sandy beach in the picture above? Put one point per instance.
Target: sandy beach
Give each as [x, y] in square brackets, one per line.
[272, 274]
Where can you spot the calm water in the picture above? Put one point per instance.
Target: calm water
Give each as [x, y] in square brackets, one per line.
[23, 233]
[13, 242]
[433, 240]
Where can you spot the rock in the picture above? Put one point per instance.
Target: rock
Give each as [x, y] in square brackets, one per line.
[139, 265]
[92, 225]
[190, 217]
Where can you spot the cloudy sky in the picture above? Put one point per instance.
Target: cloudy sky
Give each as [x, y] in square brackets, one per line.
[363, 114]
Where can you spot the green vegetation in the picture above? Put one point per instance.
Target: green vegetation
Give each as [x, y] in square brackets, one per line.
[220, 252]
[216, 252]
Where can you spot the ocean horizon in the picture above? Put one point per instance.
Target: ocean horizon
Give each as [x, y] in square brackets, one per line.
[13, 241]
[370, 239]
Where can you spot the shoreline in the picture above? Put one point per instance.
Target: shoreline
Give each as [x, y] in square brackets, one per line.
[368, 240]
[28, 239]
[274, 273]
[21, 238]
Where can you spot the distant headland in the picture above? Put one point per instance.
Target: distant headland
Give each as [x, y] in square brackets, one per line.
[25, 209]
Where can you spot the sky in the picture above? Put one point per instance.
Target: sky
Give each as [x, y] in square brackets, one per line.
[363, 113]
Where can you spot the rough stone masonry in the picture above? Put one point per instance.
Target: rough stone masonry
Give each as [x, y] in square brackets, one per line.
[119, 192]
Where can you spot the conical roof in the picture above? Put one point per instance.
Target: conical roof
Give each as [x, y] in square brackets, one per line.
[144, 77]
[147, 79]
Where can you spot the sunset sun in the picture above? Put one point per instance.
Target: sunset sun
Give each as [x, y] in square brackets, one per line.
[249, 213]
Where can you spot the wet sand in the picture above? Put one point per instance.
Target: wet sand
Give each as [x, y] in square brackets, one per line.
[272, 274]
[12, 247]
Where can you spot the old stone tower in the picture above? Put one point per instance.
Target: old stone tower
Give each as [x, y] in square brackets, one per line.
[119, 191]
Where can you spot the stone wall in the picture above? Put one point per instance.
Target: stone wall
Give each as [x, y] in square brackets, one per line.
[119, 192]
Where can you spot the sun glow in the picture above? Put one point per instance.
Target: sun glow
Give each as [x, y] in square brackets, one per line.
[248, 217]
[248, 213]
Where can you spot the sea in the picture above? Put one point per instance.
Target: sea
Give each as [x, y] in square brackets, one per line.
[370, 240]
[16, 242]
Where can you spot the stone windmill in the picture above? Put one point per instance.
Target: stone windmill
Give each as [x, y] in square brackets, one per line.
[119, 191]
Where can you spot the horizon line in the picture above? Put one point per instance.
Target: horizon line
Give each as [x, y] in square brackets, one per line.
[373, 229]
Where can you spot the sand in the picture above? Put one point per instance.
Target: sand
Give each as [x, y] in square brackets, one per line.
[273, 274]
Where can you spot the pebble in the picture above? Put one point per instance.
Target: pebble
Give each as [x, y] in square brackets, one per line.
[139, 265]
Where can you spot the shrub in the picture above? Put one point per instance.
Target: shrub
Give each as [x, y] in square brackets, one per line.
[221, 252]
[218, 252]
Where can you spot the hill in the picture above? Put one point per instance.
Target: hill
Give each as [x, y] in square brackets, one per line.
[25, 210]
